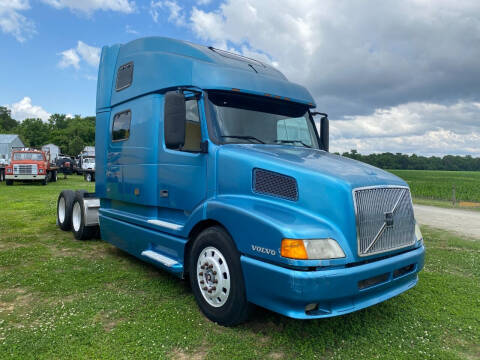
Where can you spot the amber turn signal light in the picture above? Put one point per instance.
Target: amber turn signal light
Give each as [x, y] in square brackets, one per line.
[293, 249]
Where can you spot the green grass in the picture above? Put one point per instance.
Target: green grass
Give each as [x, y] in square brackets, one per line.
[65, 299]
[437, 185]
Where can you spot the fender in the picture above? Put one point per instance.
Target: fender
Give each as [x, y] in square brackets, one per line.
[258, 226]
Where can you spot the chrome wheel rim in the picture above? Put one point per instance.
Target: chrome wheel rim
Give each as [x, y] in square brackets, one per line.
[61, 210]
[76, 216]
[213, 276]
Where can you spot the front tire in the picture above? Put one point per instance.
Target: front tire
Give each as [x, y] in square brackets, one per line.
[9, 182]
[216, 278]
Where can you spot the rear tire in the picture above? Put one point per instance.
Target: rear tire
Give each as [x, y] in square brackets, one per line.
[54, 176]
[79, 229]
[216, 278]
[64, 209]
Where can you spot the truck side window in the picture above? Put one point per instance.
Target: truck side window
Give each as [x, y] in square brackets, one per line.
[121, 126]
[193, 134]
[124, 76]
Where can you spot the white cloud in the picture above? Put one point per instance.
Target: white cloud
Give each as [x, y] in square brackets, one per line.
[425, 128]
[89, 6]
[130, 30]
[397, 75]
[89, 53]
[14, 23]
[72, 57]
[203, 2]
[175, 11]
[24, 109]
[69, 58]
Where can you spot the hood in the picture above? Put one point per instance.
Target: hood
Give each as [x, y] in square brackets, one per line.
[293, 159]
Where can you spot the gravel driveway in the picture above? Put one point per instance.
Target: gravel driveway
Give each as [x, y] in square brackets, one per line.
[460, 221]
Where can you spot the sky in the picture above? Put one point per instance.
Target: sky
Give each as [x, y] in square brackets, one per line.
[397, 76]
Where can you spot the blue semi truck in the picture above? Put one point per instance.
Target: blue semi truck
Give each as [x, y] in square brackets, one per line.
[209, 165]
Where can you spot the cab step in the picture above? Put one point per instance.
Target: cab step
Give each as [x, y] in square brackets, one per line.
[162, 259]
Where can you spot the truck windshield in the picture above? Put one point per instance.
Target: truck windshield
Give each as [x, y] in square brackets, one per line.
[240, 118]
[27, 156]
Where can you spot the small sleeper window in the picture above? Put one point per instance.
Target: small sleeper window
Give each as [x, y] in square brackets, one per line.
[124, 76]
[121, 126]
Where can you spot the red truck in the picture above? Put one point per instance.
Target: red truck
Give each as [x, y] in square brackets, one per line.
[30, 165]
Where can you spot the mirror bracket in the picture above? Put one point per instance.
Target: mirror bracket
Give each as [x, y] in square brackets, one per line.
[204, 147]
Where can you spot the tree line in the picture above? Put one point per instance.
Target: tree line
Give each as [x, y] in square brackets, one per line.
[415, 162]
[70, 134]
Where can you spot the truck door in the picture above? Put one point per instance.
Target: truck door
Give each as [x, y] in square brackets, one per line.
[182, 176]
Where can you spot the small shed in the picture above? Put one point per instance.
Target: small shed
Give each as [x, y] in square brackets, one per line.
[7, 141]
[54, 151]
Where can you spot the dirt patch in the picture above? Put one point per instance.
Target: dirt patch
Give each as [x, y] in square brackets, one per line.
[276, 355]
[10, 246]
[179, 354]
[107, 319]
[89, 254]
[16, 298]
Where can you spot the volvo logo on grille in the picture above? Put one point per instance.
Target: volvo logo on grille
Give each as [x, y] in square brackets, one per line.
[389, 219]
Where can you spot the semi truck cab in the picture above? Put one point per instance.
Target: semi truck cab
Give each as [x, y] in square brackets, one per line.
[210, 166]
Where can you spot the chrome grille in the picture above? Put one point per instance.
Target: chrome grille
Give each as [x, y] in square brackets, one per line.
[25, 169]
[385, 219]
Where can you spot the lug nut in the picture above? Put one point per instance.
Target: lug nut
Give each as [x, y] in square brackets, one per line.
[200, 273]
[209, 291]
[213, 289]
[214, 273]
[210, 266]
[202, 267]
[205, 288]
[202, 282]
[215, 281]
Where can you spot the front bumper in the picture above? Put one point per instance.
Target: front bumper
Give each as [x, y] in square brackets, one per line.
[335, 291]
[24, 177]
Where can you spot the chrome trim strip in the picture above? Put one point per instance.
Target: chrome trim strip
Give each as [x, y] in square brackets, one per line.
[165, 224]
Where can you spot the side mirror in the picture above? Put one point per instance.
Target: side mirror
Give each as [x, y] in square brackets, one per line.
[325, 133]
[175, 117]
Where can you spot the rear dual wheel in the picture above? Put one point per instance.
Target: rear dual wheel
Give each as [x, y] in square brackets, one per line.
[71, 215]
[64, 209]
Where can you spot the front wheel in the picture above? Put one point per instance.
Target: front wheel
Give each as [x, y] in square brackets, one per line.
[216, 278]
[9, 182]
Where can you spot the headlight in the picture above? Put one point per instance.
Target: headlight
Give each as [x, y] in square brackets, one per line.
[418, 234]
[314, 249]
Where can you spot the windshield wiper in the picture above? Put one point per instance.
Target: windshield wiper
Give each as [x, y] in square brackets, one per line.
[292, 142]
[246, 137]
